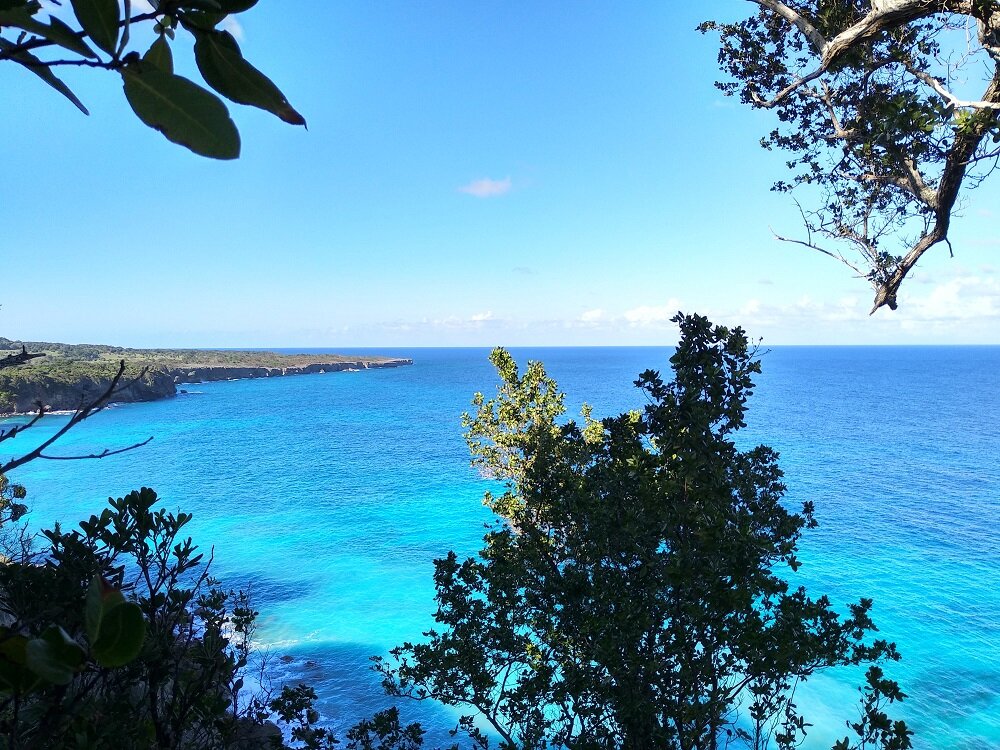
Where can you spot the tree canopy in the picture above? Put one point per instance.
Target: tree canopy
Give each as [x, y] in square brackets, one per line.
[630, 593]
[185, 112]
[890, 108]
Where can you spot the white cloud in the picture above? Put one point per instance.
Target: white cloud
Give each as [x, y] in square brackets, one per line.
[959, 298]
[593, 316]
[232, 25]
[487, 188]
[652, 315]
[481, 317]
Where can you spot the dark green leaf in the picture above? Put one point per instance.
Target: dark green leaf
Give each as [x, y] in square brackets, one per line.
[183, 112]
[201, 20]
[41, 70]
[14, 675]
[58, 32]
[100, 19]
[122, 634]
[11, 4]
[226, 71]
[94, 609]
[159, 55]
[55, 656]
[236, 6]
[209, 5]
[62, 34]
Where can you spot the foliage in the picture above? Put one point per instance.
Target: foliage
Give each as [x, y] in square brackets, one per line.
[887, 109]
[183, 111]
[630, 594]
[118, 637]
[57, 356]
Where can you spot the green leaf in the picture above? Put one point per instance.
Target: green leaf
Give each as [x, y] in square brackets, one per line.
[122, 633]
[58, 32]
[159, 55]
[197, 20]
[183, 112]
[14, 675]
[94, 609]
[41, 70]
[11, 4]
[236, 6]
[209, 5]
[63, 35]
[225, 70]
[55, 656]
[100, 19]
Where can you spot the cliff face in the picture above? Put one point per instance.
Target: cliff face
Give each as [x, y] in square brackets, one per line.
[68, 395]
[208, 374]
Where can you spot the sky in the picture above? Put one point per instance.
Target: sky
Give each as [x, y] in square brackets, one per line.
[473, 174]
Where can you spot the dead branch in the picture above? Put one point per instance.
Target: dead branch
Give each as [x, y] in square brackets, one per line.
[20, 358]
[84, 411]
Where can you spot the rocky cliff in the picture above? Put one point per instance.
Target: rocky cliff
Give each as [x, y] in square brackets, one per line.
[221, 372]
[61, 393]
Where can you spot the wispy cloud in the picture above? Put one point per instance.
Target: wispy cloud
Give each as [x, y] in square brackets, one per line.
[487, 188]
[481, 317]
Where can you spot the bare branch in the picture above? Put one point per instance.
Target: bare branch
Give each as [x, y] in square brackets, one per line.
[785, 92]
[19, 428]
[816, 39]
[12, 360]
[103, 454]
[945, 94]
[85, 410]
[813, 246]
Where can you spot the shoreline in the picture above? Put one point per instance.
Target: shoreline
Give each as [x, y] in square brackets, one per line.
[61, 395]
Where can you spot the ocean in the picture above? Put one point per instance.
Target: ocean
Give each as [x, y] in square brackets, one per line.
[331, 495]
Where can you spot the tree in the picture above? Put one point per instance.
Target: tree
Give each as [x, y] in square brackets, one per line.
[629, 594]
[183, 111]
[889, 107]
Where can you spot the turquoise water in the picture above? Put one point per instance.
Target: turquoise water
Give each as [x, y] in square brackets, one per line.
[331, 494]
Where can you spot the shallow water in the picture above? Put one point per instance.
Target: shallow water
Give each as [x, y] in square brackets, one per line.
[332, 494]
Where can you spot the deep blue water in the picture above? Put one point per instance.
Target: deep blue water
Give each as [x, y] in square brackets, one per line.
[333, 493]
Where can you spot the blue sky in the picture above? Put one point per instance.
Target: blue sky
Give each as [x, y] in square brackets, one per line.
[473, 174]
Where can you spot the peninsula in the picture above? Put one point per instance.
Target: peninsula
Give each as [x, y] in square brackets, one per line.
[70, 373]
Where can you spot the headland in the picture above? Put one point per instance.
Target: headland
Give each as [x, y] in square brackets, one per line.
[70, 374]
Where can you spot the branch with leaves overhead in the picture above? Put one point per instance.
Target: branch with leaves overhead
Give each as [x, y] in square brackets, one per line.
[874, 114]
[185, 112]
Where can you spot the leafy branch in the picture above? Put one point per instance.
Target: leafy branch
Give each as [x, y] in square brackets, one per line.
[183, 111]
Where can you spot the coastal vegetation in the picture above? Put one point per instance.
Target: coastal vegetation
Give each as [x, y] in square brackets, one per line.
[62, 376]
[632, 592]
[116, 635]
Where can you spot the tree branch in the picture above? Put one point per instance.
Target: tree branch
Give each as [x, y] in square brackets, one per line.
[85, 410]
[958, 160]
[12, 360]
[945, 94]
[816, 39]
